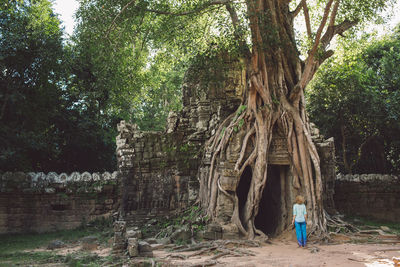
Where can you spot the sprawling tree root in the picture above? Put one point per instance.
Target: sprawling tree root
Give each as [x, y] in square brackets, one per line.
[221, 248]
[336, 225]
[204, 264]
[259, 123]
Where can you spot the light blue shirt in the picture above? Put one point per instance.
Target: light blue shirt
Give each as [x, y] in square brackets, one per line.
[299, 210]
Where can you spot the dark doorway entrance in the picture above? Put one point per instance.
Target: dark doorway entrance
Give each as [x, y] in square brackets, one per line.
[243, 189]
[269, 213]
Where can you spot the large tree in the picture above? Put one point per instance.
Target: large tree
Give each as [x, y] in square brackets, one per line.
[30, 66]
[262, 34]
[46, 122]
[117, 69]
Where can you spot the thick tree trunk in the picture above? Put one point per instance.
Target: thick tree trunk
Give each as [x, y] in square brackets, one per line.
[274, 98]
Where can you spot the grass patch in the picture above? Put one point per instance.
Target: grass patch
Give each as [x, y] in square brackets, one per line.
[363, 222]
[77, 259]
[24, 258]
[14, 247]
[19, 242]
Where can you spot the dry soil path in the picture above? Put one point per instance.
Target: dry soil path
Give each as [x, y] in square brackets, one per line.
[286, 253]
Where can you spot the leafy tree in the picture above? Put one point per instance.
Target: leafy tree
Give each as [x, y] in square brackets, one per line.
[30, 54]
[354, 98]
[262, 34]
[45, 125]
[122, 68]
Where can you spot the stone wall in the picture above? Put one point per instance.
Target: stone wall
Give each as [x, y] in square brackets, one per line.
[369, 195]
[160, 169]
[38, 202]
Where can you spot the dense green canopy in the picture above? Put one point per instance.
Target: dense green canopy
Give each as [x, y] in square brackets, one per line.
[60, 100]
[355, 98]
[44, 124]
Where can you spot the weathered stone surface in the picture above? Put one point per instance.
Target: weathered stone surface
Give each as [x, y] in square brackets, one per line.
[133, 234]
[172, 121]
[164, 241]
[212, 227]
[55, 244]
[144, 247]
[278, 153]
[369, 195]
[209, 235]
[157, 246]
[119, 237]
[119, 226]
[133, 247]
[89, 239]
[182, 233]
[230, 235]
[118, 247]
[151, 241]
[39, 202]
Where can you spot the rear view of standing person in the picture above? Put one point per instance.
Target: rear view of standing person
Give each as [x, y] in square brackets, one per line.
[300, 221]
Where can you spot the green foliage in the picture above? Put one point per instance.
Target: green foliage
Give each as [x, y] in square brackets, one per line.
[355, 99]
[127, 62]
[29, 257]
[30, 54]
[364, 12]
[187, 147]
[61, 100]
[361, 10]
[193, 216]
[240, 110]
[45, 124]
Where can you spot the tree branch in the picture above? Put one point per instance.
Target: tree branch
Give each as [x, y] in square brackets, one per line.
[321, 27]
[238, 34]
[310, 62]
[334, 11]
[161, 12]
[337, 29]
[325, 41]
[189, 12]
[297, 10]
[307, 18]
[119, 14]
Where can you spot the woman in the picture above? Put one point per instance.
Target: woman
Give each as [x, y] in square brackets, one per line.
[300, 221]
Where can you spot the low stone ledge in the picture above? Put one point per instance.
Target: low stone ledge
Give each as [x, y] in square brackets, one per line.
[364, 178]
[39, 202]
[368, 195]
[51, 183]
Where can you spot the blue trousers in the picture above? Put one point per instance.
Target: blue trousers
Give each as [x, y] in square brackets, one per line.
[301, 233]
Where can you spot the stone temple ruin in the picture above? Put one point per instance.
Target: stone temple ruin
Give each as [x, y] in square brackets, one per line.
[160, 170]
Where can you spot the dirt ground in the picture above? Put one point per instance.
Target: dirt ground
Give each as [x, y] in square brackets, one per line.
[283, 251]
[287, 253]
[280, 252]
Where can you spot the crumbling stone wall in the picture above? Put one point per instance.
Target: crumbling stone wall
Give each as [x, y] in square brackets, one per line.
[369, 195]
[38, 202]
[161, 170]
